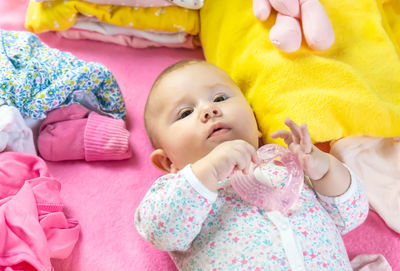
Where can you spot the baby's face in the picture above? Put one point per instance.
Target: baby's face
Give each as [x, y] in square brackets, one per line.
[198, 107]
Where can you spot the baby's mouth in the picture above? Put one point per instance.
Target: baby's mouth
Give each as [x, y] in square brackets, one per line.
[218, 131]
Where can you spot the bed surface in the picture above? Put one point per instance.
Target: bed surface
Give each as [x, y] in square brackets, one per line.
[103, 196]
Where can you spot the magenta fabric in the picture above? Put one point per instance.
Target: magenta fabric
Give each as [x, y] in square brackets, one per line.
[33, 226]
[29, 167]
[74, 133]
[106, 139]
[61, 135]
[103, 196]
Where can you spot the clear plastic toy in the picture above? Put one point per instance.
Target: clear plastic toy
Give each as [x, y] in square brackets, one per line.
[259, 189]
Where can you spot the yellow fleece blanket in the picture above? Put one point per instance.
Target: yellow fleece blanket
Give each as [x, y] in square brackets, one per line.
[351, 89]
[61, 15]
[391, 13]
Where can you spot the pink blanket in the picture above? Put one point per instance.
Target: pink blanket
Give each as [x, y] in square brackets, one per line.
[103, 196]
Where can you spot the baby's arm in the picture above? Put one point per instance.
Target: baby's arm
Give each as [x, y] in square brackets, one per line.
[339, 190]
[350, 209]
[328, 175]
[173, 211]
[171, 214]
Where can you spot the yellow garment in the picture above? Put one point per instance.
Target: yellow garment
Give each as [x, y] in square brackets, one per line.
[391, 10]
[61, 15]
[351, 89]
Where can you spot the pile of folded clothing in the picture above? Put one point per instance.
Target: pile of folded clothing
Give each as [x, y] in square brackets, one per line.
[134, 23]
[72, 109]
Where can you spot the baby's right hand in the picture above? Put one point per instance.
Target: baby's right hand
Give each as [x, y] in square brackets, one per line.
[222, 161]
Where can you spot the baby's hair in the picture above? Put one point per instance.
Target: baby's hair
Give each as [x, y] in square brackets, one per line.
[147, 108]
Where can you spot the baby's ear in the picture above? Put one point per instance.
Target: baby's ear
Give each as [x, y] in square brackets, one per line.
[258, 126]
[161, 161]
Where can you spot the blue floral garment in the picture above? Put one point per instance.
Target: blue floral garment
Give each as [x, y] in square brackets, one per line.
[37, 79]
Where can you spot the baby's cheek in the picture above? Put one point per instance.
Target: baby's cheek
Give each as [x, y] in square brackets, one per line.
[186, 152]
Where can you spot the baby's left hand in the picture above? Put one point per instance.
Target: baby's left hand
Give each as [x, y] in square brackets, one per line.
[315, 163]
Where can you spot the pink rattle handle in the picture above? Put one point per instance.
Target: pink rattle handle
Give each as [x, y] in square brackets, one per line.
[258, 190]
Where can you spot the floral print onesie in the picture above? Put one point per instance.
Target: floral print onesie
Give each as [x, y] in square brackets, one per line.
[203, 230]
[37, 79]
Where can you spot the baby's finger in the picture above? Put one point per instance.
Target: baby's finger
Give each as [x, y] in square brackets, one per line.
[305, 141]
[295, 148]
[250, 155]
[242, 156]
[295, 129]
[253, 154]
[254, 158]
[285, 135]
[243, 163]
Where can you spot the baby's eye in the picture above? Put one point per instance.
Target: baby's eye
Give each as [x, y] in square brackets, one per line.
[185, 113]
[220, 98]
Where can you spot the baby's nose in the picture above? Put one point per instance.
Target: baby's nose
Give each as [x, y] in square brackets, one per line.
[210, 112]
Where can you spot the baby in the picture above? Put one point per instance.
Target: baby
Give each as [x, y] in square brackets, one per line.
[203, 129]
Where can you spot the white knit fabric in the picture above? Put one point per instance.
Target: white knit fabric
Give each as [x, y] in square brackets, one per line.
[14, 134]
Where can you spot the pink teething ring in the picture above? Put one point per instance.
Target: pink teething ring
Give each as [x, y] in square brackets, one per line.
[258, 191]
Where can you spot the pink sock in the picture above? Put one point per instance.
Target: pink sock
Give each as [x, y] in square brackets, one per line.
[72, 133]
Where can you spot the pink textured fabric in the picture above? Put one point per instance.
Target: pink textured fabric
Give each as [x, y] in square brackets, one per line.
[29, 167]
[106, 139]
[72, 133]
[103, 196]
[33, 227]
[61, 135]
[131, 41]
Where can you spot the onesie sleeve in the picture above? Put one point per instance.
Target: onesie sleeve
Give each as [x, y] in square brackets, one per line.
[172, 212]
[350, 209]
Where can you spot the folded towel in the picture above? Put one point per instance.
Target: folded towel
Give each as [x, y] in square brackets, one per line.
[190, 42]
[350, 89]
[110, 29]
